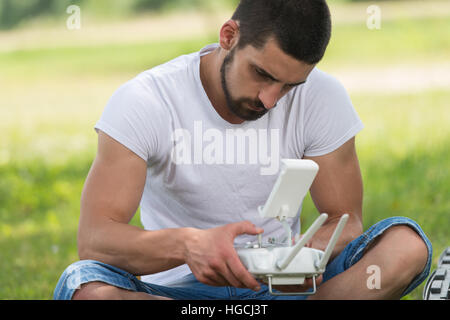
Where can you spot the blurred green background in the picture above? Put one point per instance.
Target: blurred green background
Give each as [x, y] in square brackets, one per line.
[55, 82]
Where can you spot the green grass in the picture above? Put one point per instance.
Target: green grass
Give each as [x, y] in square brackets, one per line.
[39, 216]
[404, 153]
[86, 61]
[399, 41]
[403, 41]
[51, 98]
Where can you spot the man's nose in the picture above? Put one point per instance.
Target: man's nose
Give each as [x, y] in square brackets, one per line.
[269, 95]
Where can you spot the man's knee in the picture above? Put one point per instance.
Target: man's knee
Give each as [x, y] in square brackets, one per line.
[97, 291]
[406, 248]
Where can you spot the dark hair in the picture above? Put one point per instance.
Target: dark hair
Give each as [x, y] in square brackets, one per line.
[302, 28]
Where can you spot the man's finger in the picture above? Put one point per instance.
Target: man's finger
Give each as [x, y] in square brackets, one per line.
[245, 227]
[241, 273]
[216, 281]
[231, 278]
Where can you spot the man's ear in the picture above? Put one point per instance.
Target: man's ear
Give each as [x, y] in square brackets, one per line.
[229, 35]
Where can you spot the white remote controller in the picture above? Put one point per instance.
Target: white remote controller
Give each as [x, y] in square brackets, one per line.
[289, 263]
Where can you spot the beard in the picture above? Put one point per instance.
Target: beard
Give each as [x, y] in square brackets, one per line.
[239, 107]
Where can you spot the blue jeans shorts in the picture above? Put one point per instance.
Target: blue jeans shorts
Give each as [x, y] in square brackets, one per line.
[189, 288]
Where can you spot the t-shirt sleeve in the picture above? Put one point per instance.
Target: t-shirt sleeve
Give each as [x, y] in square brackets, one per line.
[330, 119]
[133, 118]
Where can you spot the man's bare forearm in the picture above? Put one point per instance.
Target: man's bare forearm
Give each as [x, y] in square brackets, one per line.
[352, 230]
[131, 248]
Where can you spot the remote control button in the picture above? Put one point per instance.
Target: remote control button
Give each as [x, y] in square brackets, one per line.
[446, 260]
[440, 274]
[436, 286]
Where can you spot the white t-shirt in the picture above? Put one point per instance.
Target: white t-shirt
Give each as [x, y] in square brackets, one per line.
[205, 172]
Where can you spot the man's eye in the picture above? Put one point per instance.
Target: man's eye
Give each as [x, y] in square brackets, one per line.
[261, 74]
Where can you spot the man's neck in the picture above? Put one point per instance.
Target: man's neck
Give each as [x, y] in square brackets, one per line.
[210, 65]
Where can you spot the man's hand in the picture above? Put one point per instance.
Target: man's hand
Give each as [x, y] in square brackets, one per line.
[211, 256]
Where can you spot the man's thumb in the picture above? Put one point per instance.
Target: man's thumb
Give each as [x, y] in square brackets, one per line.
[246, 227]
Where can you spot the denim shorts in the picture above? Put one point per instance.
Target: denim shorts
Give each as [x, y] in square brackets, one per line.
[189, 288]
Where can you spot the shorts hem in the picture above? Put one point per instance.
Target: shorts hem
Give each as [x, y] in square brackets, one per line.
[87, 271]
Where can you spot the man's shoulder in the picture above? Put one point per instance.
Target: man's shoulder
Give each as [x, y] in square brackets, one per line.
[155, 84]
[319, 83]
[319, 79]
[324, 87]
[177, 67]
[151, 84]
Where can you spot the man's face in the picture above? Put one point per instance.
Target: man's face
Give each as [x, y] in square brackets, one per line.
[254, 80]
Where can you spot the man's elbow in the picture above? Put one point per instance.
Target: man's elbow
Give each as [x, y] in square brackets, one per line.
[86, 250]
[354, 227]
[84, 253]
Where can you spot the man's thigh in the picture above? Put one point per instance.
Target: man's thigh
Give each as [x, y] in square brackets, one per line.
[89, 271]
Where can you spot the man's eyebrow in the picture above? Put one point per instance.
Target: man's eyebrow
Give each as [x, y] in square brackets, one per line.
[268, 75]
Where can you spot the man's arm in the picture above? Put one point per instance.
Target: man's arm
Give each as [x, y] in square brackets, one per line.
[336, 190]
[110, 198]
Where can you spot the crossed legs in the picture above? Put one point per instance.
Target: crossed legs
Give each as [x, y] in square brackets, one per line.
[399, 253]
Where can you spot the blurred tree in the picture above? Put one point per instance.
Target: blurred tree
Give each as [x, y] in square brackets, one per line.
[13, 12]
[152, 4]
[369, 1]
[173, 4]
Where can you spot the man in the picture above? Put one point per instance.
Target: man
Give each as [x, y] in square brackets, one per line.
[198, 201]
